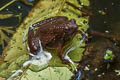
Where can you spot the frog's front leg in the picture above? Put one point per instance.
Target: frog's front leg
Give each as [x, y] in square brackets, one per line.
[59, 53]
[71, 48]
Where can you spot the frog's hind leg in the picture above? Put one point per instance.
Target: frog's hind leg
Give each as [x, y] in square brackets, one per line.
[27, 33]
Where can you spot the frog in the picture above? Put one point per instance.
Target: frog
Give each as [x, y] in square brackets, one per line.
[54, 32]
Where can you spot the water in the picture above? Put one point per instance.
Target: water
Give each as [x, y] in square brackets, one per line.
[12, 16]
[111, 9]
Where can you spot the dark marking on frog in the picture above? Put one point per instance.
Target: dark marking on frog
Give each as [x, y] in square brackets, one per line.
[52, 32]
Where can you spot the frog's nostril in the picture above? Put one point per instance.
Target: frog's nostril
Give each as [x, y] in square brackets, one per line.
[73, 21]
[66, 28]
[75, 26]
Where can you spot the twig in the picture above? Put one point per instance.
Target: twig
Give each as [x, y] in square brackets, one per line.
[7, 4]
[62, 5]
[114, 37]
[83, 11]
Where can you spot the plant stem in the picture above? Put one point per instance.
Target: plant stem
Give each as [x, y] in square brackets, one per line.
[6, 5]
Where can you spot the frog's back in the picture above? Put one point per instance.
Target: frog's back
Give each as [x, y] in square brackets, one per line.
[50, 31]
[53, 30]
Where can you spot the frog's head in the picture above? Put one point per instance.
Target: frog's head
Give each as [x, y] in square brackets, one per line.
[71, 27]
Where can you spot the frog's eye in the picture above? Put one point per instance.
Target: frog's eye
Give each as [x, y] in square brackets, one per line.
[66, 28]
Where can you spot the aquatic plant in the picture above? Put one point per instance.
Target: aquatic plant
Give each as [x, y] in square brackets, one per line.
[4, 35]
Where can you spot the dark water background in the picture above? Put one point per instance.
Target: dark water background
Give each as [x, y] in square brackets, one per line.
[110, 21]
[101, 23]
[13, 9]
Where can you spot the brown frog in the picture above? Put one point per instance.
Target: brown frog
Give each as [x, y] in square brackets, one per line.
[53, 32]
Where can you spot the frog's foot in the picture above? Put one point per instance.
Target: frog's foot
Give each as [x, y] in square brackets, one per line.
[68, 60]
[64, 61]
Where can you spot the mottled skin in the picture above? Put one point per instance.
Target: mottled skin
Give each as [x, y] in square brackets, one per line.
[52, 32]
